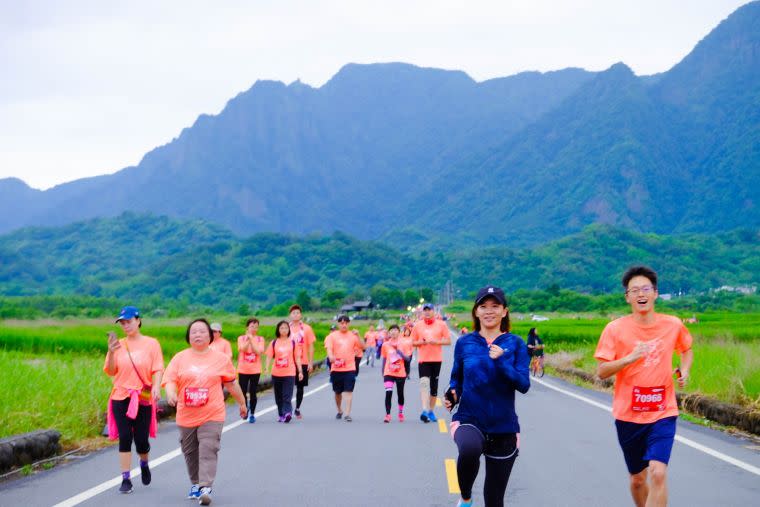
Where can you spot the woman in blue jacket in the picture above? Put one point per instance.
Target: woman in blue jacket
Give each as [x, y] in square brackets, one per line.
[490, 364]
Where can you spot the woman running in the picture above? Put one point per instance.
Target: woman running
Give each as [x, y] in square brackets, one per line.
[490, 364]
[283, 357]
[136, 365]
[193, 383]
[394, 372]
[250, 348]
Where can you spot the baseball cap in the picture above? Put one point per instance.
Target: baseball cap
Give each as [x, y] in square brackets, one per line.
[215, 326]
[493, 292]
[344, 317]
[127, 313]
[428, 306]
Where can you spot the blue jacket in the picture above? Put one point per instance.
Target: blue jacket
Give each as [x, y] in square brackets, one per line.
[486, 387]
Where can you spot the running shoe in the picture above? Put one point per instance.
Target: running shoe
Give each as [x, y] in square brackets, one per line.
[400, 417]
[251, 418]
[195, 492]
[298, 414]
[462, 503]
[432, 417]
[347, 418]
[126, 487]
[205, 496]
[424, 417]
[281, 418]
[339, 416]
[387, 418]
[287, 418]
[145, 474]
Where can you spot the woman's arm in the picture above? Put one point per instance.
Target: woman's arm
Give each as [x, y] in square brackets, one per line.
[516, 366]
[238, 396]
[171, 393]
[156, 388]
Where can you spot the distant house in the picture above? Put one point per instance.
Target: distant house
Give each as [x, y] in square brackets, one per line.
[357, 306]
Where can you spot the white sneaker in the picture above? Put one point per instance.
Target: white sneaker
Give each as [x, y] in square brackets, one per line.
[205, 498]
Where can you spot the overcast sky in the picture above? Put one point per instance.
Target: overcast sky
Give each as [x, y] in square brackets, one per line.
[88, 87]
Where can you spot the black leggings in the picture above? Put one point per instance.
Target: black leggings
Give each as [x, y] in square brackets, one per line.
[250, 381]
[389, 391]
[132, 429]
[500, 451]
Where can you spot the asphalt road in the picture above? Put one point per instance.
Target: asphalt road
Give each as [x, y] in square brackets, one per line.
[568, 456]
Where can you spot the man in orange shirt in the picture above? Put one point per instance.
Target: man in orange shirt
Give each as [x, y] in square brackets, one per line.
[429, 335]
[303, 336]
[370, 340]
[341, 346]
[638, 349]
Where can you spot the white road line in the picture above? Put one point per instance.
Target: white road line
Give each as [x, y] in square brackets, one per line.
[691, 443]
[105, 486]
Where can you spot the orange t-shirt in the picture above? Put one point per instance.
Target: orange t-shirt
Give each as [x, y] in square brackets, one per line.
[221, 345]
[405, 343]
[304, 336]
[644, 390]
[370, 338]
[249, 363]
[343, 347]
[394, 363]
[282, 353]
[146, 353]
[199, 378]
[438, 330]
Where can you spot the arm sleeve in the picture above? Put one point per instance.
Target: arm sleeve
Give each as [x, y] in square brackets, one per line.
[605, 349]
[515, 367]
[684, 340]
[455, 382]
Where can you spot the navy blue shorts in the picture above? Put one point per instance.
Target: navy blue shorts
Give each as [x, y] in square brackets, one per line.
[343, 381]
[644, 442]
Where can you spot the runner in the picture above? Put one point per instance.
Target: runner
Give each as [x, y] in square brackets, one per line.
[250, 348]
[379, 339]
[283, 356]
[304, 337]
[535, 347]
[341, 346]
[429, 335]
[218, 343]
[394, 372]
[359, 353]
[370, 341]
[408, 348]
[490, 364]
[638, 349]
[193, 383]
[136, 365]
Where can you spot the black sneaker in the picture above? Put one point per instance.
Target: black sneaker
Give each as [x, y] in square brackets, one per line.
[145, 474]
[339, 416]
[126, 487]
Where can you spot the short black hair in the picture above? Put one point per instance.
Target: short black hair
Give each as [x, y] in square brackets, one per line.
[635, 271]
[208, 326]
[295, 307]
[344, 317]
[250, 321]
[394, 326]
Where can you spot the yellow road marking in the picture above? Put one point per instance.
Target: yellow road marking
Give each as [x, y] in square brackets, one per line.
[441, 425]
[451, 476]
[438, 402]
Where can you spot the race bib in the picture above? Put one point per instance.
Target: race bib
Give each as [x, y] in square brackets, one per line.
[339, 363]
[648, 399]
[281, 362]
[249, 357]
[196, 396]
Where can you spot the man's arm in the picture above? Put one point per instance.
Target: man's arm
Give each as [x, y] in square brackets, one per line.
[607, 369]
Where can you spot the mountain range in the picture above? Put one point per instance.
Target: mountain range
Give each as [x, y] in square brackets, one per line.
[431, 158]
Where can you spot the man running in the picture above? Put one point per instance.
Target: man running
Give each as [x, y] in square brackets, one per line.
[429, 335]
[370, 340]
[303, 336]
[638, 350]
[341, 347]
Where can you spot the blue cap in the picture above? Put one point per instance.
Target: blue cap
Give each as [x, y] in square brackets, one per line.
[489, 291]
[428, 306]
[127, 313]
